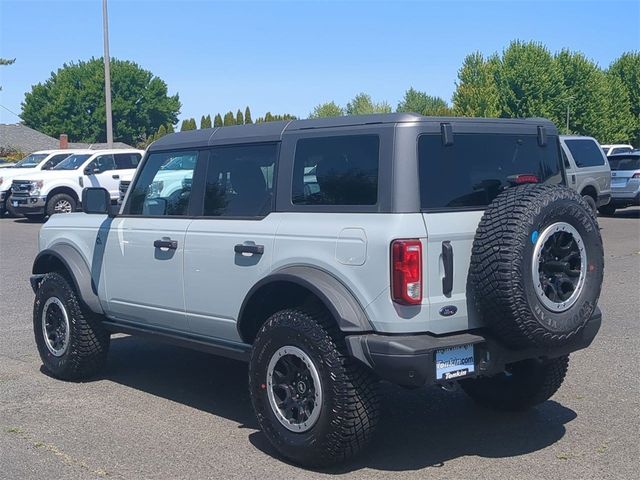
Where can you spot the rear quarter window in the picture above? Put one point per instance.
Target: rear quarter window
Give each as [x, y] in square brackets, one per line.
[478, 167]
[586, 153]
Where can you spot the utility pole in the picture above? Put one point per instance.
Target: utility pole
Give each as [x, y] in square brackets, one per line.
[107, 75]
[567, 128]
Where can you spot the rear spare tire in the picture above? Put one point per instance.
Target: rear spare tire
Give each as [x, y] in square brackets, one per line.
[537, 265]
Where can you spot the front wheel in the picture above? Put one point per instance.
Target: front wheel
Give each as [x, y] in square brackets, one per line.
[523, 384]
[72, 342]
[61, 203]
[314, 404]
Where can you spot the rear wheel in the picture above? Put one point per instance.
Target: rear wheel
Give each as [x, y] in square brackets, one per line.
[523, 384]
[61, 203]
[607, 210]
[316, 405]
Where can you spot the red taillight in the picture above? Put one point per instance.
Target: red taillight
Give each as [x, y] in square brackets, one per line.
[406, 271]
[527, 179]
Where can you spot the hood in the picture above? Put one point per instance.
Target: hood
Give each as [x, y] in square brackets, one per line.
[49, 175]
[9, 173]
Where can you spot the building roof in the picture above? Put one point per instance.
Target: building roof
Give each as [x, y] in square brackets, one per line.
[24, 139]
[19, 137]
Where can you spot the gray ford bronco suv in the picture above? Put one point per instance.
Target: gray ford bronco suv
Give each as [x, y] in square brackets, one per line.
[331, 254]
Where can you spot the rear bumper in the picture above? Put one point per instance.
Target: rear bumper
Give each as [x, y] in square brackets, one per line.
[625, 199]
[410, 360]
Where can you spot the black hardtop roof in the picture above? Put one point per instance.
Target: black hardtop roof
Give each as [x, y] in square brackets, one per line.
[273, 131]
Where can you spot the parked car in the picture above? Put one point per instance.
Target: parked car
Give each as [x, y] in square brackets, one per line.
[59, 190]
[427, 251]
[625, 182]
[587, 169]
[615, 149]
[41, 160]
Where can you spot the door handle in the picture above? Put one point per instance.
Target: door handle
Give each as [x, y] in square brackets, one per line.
[166, 243]
[115, 177]
[447, 260]
[253, 249]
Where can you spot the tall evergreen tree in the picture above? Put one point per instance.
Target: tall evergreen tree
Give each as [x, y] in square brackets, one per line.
[247, 116]
[239, 118]
[205, 121]
[229, 119]
[217, 121]
[170, 128]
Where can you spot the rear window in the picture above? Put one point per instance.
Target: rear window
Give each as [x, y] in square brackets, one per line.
[631, 162]
[478, 167]
[336, 170]
[586, 153]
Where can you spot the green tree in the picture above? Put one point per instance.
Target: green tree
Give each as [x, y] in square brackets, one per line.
[627, 69]
[327, 109]
[419, 102]
[476, 93]
[530, 83]
[188, 124]
[620, 125]
[239, 118]
[162, 131]
[362, 104]
[229, 119]
[72, 101]
[170, 128]
[205, 121]
[217, 121]
[247, 116]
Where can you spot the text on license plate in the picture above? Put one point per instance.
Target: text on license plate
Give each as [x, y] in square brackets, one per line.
[454, 362]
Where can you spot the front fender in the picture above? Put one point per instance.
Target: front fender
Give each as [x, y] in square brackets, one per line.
[77, 269]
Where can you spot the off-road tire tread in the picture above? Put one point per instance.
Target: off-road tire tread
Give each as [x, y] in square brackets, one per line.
[527, 391]
[355, 388]
[497, 250]
[89, 342]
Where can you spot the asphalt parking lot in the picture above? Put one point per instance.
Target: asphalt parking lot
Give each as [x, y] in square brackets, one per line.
[160, 411]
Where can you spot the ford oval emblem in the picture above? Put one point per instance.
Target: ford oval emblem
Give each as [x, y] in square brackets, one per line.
[448, 310]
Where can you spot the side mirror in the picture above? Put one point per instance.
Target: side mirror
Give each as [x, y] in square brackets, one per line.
[96, 200]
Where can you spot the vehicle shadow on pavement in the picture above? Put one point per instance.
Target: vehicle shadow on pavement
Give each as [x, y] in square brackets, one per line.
[418, 428]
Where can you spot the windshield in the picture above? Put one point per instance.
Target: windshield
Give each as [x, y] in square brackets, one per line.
[627, 162]
[72, 162]
[31, 161]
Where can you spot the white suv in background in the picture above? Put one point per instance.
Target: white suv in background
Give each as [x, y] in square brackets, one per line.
[40, 160]
[615, 149]
[59, 190]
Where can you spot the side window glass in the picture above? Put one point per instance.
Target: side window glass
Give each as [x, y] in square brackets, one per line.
[164, 185]
[55, 160]
[240, 181]
[586, 153]
[126, 161]
[103, 163]
[336, 170]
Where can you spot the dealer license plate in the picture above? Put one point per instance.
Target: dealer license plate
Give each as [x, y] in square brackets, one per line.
[454, 362]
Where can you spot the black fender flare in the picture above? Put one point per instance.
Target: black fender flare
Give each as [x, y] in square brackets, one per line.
[339, 300]
[77, 268]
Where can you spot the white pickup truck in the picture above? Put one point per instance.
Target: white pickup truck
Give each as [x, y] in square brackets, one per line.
[59, 190]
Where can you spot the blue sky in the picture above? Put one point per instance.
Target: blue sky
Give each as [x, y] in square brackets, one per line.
[289, 56]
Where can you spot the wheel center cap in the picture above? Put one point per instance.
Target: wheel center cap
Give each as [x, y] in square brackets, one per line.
[301, 387]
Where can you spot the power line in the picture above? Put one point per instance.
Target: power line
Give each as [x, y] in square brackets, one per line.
[11, 111]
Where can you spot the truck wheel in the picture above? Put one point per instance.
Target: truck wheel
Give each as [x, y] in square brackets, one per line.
[61, 203]
[523, 385]
[607, 210]
[591, 202]
[537, 265]
[316, 405]
[72, 343]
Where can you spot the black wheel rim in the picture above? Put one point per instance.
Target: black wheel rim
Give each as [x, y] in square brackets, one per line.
[294, 389]
[55, 326]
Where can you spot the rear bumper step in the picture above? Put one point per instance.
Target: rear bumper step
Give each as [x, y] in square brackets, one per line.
[410, 360]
